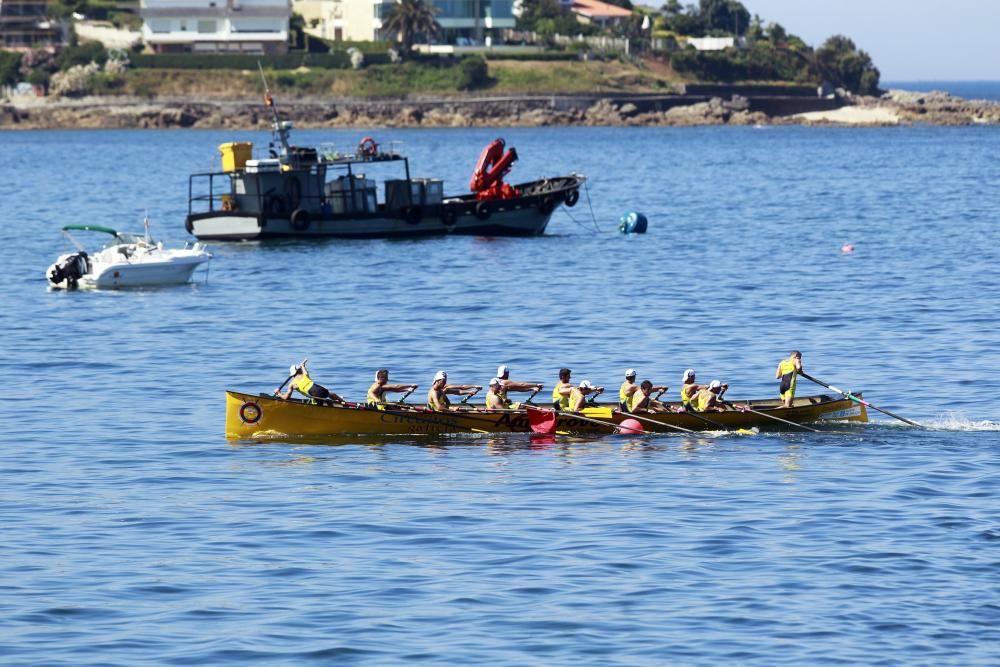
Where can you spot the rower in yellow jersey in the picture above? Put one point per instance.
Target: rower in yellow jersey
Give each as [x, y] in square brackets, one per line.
[305, 385]
[376, 393]
[787, 371]
[437, 395]
[709, 399]
[496, 396]
[641, 401]
[578, 395]
[689, 388]
[629, 388]
[561, 392]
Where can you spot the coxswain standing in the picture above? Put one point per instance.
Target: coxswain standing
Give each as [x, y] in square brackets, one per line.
[787, 372]
[305, 385]
[437, 396]
[376, 392]
[578, 395]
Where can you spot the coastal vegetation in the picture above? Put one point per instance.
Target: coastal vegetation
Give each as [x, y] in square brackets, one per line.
[660, 57]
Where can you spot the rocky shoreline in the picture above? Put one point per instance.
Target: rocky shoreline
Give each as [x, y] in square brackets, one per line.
[893, 108]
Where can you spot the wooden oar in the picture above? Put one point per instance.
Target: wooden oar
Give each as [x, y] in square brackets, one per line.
[860, 400]
[698, 415]
[403, 399]
[653, 421]
[747, 408]
[466, 399]
[287, 379]
[528, 401]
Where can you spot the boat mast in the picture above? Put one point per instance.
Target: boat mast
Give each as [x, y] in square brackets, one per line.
[279, 129]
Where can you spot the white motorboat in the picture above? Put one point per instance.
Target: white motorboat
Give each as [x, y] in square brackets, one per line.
[127, 260]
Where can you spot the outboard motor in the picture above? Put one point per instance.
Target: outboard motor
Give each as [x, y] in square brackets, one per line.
[70, 268]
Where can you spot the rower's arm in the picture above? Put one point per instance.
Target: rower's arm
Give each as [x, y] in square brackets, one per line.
[462, 389]
[398, 387]
[523, 386]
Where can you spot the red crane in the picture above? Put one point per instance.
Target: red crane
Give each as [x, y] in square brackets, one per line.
[487, 179]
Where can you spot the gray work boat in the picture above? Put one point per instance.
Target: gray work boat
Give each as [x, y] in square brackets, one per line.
[305, 192]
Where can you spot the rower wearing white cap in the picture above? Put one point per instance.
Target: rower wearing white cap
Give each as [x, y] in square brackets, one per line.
[437, 396]
[578, 395]
[709, 399]
[503, 374]
[496, 396]
[305, 385]
[689, 388]
[377, 392]
[628, 389]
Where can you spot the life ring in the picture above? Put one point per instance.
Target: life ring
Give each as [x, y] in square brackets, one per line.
[547, 205]
[276, 206]
[368, 147]
[300, 220]
[412, 214]
[483, 211]
[572, 198]
[293, 192]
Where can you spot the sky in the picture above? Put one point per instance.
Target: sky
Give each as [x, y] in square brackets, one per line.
[908, 40]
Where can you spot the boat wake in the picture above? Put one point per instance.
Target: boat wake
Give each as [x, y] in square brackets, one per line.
[956, 422]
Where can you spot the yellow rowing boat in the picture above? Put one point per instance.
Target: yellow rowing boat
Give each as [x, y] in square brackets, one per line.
[265, 416]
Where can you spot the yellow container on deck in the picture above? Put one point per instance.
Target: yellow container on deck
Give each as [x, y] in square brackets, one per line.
[235, 154]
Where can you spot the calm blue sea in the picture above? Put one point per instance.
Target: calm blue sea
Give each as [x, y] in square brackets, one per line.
[970, 90]
[133, 533]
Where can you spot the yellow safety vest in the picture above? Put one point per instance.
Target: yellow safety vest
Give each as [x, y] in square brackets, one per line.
[622, 396]
[497, 398]
[303, 383]
[442, 398]
[375, 399]
[639, 400]
[787, 366]
[557, 396]
[686, 395]
[701, 400]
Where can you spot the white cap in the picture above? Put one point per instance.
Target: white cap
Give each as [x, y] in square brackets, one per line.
[630, 373]
[502, 370]
[440, 375]
[586, 385]
[715, 385]
[495, 381]
[293, 369]
[689, 373]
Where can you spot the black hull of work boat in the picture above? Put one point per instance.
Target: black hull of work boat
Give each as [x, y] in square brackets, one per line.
[527, 214]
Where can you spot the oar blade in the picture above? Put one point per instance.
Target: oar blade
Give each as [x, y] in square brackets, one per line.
[541, 421]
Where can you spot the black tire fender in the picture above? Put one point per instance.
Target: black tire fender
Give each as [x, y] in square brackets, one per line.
[300, 220]
[483, 210]
[572, 198]
[448, 217]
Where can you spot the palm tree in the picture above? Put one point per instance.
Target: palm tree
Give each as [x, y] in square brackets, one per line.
[410, 18]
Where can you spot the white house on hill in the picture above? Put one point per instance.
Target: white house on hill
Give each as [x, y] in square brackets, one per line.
[216, 26]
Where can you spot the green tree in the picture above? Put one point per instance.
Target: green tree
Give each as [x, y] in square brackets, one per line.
[729, 16]
[473, 73]
[82, 55]
[10, 65]
[409, 19]
[840, 62]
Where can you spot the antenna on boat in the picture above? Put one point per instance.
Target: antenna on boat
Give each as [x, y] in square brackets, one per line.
[279, 128]
[145, 224]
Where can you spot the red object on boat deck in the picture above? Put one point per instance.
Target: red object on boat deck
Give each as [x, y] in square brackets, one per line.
[493, 165]
[542, 421]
